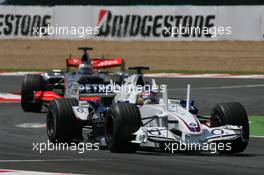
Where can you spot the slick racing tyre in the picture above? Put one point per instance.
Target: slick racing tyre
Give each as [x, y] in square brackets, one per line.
[62, 125]
[232, 114]
[121, 121]
[30, 84]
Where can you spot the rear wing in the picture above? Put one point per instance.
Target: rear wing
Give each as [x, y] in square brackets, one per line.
[97, 63]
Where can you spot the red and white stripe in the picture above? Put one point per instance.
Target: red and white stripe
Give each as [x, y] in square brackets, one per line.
[9, 98]
[19, 172]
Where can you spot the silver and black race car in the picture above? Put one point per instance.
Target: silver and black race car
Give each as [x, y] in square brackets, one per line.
[39, 89]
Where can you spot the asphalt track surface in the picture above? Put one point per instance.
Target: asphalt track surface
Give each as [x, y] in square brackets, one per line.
[16, 144]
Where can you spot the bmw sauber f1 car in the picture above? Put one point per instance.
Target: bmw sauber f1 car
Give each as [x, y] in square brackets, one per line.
[139, 118]
[39, 89]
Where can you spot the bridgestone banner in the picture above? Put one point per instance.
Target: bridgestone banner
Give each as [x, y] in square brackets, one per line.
[133, 22]
[18, 22]
[153, 23]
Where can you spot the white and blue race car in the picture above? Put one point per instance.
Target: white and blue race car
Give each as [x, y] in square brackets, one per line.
[138, 118]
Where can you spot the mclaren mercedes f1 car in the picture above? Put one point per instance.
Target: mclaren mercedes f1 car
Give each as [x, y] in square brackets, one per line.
[39, 89]
[138, 118]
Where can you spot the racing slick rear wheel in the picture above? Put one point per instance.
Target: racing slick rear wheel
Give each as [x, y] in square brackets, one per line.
[62, 125]
[121, 121]
[30, 84]
[232, 113]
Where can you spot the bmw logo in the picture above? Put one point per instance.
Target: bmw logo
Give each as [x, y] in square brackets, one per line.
[192, 125]
[217, 131]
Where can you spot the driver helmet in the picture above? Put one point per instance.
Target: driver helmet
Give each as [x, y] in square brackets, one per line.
[85, 69]
[147, 98]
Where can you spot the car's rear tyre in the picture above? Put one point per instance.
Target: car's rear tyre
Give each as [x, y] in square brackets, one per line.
[232, 113]
[62, 125]
[121, 121]
[30, 84]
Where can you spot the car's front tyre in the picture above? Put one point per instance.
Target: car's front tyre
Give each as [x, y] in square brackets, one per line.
[62, 125]
[121, 121]
[232, 113]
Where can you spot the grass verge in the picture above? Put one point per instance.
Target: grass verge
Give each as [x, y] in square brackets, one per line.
[256, 125]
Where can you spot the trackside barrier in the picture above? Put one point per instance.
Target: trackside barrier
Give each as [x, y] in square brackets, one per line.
[133, 22]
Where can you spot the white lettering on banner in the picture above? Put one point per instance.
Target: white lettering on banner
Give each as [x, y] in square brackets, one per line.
[150, 25]
[19, 21]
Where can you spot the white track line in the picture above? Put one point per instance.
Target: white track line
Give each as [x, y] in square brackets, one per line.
[257, 136]
[222, 87]
[234, 87]
[178, 75]
[31, 125]
[23, 172]
[54, 160]
[17, 73]
[9, 96]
